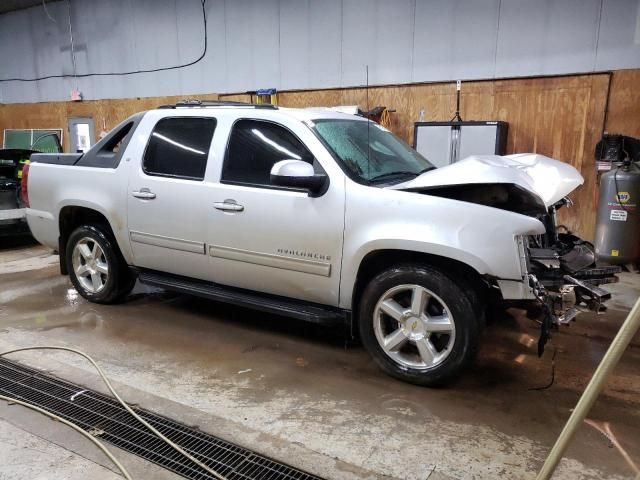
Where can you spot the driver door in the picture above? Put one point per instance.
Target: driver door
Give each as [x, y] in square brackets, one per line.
[275, 240]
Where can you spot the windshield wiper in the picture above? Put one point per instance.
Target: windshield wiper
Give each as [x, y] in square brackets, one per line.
[398, 173]
[425, 170]
[391, 174]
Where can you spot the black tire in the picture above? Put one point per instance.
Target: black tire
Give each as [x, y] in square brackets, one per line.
[119, 281]
[464, 315]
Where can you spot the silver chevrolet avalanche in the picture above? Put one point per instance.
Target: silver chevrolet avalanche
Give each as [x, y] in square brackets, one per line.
[318, 215]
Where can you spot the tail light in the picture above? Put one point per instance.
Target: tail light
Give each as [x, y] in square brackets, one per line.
[24, 189]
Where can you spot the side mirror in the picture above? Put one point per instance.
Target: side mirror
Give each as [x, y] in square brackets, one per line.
[298, 174]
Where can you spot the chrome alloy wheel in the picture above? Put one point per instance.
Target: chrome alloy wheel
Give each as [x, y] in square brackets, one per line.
[90, 265]
[414, 327]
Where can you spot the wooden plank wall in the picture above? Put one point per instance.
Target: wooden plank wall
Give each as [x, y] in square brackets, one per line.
[624, 103]
[561, 117]
[106, 114]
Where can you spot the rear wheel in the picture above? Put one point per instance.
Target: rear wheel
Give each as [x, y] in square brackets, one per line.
[418, 324]
[96, 267]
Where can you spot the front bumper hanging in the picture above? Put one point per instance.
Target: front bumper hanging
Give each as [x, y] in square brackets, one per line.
[563, 300]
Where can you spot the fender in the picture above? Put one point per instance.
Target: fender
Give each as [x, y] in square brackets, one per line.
[481, 237]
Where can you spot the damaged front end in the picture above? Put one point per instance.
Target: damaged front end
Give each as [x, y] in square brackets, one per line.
[558, 268]
[563, 275]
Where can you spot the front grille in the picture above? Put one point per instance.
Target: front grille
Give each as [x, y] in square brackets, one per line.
[104, 417]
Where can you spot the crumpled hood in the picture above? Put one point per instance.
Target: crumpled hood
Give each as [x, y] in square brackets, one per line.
[550, 179]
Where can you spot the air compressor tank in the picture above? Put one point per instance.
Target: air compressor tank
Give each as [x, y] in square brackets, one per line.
[618, 223]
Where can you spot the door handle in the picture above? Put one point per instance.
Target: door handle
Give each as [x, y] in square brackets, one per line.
[228, 206]
[144, 193]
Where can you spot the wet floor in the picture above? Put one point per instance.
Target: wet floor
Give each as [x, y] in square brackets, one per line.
[308, 386]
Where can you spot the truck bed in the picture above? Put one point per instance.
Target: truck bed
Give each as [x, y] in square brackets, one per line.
[56, 158]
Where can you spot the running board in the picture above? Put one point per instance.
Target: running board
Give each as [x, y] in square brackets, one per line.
[308, 312]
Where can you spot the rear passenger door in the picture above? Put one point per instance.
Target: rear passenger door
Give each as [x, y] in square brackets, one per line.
[167, 197]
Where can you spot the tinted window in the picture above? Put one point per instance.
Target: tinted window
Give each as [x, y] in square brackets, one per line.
[254, 147]
[179, 147]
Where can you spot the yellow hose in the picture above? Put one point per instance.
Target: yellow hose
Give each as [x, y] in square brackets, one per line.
[53, 416]
[176, 447]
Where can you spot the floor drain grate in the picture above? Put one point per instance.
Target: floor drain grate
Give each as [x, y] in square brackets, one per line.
[104, 417]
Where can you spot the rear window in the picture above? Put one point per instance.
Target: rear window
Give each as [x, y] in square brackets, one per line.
[178, 147]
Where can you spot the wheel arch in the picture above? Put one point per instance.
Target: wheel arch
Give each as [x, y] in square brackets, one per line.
[70, 218]
[376, 261]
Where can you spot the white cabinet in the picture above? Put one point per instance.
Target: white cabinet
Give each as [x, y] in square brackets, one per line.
[443, 143]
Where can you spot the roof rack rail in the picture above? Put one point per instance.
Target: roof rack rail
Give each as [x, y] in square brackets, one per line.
[218, 103]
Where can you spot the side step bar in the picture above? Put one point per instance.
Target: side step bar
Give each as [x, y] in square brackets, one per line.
[309, 312]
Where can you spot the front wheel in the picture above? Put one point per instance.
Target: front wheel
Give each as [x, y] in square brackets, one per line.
[418, 324]
[96, 267]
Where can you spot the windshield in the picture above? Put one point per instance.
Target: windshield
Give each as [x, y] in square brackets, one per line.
[373, 156]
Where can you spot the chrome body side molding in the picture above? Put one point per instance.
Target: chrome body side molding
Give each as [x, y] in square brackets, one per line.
[168, 242]
[312, 267]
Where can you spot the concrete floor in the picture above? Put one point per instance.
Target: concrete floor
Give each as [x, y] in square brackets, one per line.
[26, 456]
[294, 392]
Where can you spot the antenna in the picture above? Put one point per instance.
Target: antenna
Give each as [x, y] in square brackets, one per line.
[368, 126]
[457, 117]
